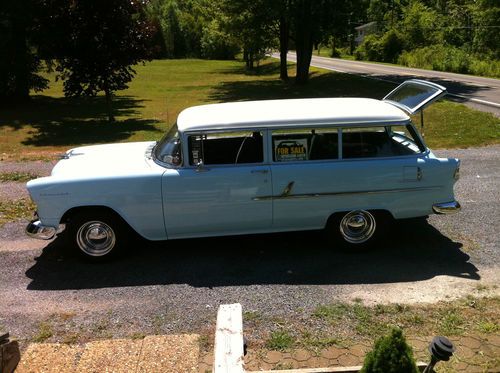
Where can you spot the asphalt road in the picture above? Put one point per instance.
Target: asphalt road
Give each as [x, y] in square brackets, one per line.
[478, 92]
[176, 286]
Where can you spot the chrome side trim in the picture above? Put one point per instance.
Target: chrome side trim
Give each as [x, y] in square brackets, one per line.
[327, 194]
[287, 190]
[446, 207]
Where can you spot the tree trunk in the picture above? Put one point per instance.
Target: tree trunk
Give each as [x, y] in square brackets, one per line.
[284, 30]
[304, 42]
[21, 59]
[109, 104]
[245, 57]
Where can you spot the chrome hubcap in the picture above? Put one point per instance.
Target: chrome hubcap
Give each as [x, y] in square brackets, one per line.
[95, 238]
[357, 226]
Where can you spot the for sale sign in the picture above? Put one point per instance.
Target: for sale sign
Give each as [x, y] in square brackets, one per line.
[287, 150]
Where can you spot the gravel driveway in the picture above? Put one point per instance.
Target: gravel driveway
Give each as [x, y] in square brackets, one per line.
[177, 286]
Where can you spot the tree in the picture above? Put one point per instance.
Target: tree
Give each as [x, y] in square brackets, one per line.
[311, 21]
[284, 29]
[486, 37]
[304, 23]
[19, 63]
[179, 26]
[96, 43]
[252, 23]
[420, 25]
[216, 43]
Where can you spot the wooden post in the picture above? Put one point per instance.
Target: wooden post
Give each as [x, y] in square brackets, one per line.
[228, 354]
[9, 353]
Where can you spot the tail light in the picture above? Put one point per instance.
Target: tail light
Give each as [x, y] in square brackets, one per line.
[456, 174]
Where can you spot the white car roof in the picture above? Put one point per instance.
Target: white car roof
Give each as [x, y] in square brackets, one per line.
[279, 113]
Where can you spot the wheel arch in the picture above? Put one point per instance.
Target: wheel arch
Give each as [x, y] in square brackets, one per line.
[66, 218]
[377, 213]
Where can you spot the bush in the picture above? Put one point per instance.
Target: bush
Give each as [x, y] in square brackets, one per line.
[391, 354]
[335, 53]
[370, 49]
[447, 58]
[392, 45]
[376, 48]
[485, 67]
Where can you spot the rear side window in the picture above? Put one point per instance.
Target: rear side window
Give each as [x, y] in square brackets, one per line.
[226, 148]
[387, 141]
[305, 144]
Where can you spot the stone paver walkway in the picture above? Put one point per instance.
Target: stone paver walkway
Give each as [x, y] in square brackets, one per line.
[163, 353]
[180, 354]
[473, 354]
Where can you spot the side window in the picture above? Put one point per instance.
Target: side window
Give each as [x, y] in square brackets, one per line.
[305, 144]
[371, 142]
[226, 148]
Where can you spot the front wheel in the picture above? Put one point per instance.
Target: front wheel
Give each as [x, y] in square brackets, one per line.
[97, 235]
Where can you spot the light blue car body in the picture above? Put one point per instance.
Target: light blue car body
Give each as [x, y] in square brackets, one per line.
[161, 201]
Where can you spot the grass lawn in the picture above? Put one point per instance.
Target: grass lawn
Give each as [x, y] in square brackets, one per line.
[52, 123]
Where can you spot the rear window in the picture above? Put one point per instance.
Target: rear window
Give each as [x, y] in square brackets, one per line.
[387, 141]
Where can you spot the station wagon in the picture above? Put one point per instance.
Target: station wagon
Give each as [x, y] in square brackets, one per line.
[341, 164]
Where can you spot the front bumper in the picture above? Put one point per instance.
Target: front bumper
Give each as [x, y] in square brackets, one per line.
[35, 229]
[446, 207]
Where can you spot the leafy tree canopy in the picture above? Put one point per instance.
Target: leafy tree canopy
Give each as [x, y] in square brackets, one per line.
[96, 43]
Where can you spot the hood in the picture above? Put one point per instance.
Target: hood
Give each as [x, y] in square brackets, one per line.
[108, 160]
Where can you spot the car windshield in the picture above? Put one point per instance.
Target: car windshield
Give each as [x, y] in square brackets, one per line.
[168, 149]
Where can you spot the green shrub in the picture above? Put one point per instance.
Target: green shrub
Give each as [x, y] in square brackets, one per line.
[391, 354]
[385, 48]
[392, 44]
[448, 58]
[485, 67]
[370, 49]
[335, 53]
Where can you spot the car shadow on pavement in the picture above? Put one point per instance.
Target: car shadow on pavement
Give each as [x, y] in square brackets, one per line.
[412, 251]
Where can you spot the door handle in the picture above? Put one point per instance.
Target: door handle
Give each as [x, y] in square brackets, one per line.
[263, 171]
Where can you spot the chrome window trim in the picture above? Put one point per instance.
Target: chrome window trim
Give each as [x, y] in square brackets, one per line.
[185, 148]
[409, 156]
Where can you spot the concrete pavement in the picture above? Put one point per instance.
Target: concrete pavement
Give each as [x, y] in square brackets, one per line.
[158, 353]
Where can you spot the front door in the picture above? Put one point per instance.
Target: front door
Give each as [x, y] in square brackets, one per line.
[218, 192]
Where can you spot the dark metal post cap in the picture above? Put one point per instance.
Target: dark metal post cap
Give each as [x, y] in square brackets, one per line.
[441, 348]
[4, 337]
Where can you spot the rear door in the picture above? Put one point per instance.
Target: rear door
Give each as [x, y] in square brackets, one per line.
[414, 95]
[316, 172]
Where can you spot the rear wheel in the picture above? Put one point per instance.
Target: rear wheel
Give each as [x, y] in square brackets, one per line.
[357, 229]
[98, 235]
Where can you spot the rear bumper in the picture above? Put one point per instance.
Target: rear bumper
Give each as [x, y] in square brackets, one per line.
[446, 207]
[35, 229]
